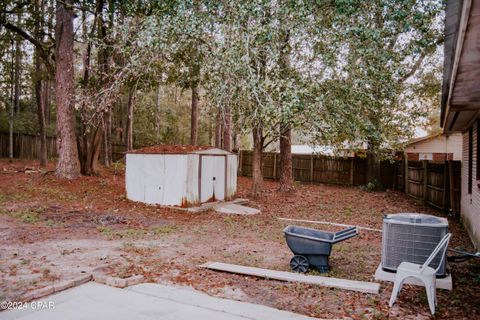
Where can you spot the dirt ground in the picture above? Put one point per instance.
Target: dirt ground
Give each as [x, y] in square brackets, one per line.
[52, 230]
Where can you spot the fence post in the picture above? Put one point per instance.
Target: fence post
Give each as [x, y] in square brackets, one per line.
[406, 175]
[352, 166]
[274, 166]
[311, 168]
[425, 179]
[240, 163]
[445, 186]
[451, 180]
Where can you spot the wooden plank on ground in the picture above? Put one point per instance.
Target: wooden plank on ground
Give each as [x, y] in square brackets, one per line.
[353, 285]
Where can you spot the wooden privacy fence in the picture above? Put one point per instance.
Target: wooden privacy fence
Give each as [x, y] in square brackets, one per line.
[319, 169]
[437, 184]
[118, 151]
[26, 146]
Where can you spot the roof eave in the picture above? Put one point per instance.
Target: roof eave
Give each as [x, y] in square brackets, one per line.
[447, 87]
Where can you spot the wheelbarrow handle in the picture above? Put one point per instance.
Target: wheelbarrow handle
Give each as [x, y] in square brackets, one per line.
[351, 232]
[348, 230]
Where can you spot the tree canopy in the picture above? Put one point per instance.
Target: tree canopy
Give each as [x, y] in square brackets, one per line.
[337, 72]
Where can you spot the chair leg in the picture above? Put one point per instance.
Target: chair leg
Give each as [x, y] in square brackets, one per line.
[397, 286]
[431, 294]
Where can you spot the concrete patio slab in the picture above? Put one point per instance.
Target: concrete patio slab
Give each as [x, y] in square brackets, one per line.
[145, 302]
[233, 208]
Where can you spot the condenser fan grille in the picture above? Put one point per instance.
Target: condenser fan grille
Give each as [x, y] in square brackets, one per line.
[411, 238]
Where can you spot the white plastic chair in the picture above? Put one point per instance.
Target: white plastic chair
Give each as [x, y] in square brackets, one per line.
[422, 272]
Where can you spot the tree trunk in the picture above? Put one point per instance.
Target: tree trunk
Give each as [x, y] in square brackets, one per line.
[286, 175]
[257, 162]
[107, 137]
[68, 166]
[236, 139]
[39, 96]
[103, 66]
[90, 146]
[218, 130]
[194, 117]
[94, 143]
[158, 114]
[130, 106]
[40, 87]
[47, 97]
[373, 168]
[95, 150]
[210, 132]
[18, 68]
[12, 108]
[227, 130]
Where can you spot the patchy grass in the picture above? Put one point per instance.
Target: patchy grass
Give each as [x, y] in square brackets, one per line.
[133, 248]
[31, 215]
[105, 231]
[166, 229]
[130, 233]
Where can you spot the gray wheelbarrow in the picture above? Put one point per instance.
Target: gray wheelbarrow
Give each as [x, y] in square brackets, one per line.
[312, 248]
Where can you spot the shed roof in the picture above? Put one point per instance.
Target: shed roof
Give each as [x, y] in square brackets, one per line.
[176, 149]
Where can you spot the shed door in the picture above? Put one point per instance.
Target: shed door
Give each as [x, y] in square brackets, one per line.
[212, 179]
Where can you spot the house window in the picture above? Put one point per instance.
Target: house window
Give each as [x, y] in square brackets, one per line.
[470, 158]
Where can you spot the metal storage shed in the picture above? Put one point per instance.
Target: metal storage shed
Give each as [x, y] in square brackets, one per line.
[180, 175]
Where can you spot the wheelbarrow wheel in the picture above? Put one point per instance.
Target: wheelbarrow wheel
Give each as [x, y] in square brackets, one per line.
[299, 264]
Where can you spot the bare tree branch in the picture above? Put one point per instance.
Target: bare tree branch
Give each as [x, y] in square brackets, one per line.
[39, 45]
[414, 69]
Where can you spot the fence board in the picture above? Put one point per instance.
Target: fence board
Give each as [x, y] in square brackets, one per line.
[439, 189]
[429, 181]
[26, 146]
[318, 169]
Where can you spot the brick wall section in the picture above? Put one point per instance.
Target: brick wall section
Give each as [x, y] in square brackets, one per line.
[441, 157]
[470, 203]
[436, 157]
[412, 156]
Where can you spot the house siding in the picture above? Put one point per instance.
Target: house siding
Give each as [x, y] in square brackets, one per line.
[470, 202]
[441, 147]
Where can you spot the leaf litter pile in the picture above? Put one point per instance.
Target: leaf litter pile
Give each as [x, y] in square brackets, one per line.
[53, 230]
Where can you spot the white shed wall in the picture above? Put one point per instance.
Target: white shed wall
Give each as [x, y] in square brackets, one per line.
[232, 165]
[212, 178]
[173, 179]
[162, 178]
[166, 178]
[191, 193]
[134, 175]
